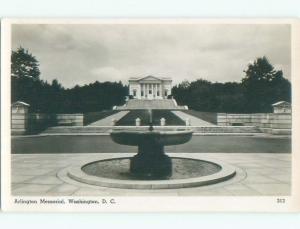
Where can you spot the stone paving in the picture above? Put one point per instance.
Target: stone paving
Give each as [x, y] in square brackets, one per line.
[258, 174]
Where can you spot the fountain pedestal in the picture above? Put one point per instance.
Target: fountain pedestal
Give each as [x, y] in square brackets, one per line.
[151, 160]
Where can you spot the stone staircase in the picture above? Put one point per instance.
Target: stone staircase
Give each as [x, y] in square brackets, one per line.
[159, 104]
[209, 130]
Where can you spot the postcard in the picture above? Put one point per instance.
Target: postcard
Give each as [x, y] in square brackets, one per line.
[150, 115]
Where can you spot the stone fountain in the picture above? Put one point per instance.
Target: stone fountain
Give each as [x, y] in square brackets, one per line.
[151, 160]
[151, 167]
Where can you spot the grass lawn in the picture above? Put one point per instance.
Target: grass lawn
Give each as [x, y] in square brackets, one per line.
[171, 119]
[206, 116]
[95, 116]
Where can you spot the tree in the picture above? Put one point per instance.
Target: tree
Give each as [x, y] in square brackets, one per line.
[25, 82]
[53, 97]
[56, 85]
[264, 86]
[203, 97]
[181, 92]
[24, 64]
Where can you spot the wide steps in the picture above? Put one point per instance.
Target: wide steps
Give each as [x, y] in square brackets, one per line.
[159, 104]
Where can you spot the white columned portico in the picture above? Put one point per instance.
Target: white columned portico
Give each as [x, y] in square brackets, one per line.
[139, 88]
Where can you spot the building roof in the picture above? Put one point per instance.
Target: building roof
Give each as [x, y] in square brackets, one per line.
[281, 103]
[150, 76]
[20, 103]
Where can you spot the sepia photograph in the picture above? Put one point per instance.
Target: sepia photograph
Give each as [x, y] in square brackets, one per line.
[147, 110]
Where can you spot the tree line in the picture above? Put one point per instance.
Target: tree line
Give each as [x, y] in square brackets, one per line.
[261, 86]
[258, 90]
[52, 97]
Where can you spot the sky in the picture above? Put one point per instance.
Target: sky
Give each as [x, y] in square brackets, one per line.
[82, 54]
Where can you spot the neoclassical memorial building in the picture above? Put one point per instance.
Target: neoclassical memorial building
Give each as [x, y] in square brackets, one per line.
[150, 87]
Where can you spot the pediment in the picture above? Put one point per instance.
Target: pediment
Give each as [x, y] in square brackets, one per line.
[150, 78]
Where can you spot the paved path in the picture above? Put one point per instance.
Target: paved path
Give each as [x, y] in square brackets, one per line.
[193, 120]
[108, 120]
[258, 174]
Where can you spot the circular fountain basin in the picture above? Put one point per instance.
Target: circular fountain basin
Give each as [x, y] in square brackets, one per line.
[186, 172]
[151, 168]
[183, 168]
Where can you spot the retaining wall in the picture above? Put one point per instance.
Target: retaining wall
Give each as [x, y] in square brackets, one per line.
[69, 119]
[23, 122]
[273, 123]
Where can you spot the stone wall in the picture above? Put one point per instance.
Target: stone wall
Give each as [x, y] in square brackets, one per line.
[39, 121]
[23, 122]
[273, 123]
[69, 119]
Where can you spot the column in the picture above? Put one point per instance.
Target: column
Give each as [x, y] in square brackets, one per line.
[160, 90]
[153, 85]
[152, 89]
[144, 89]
